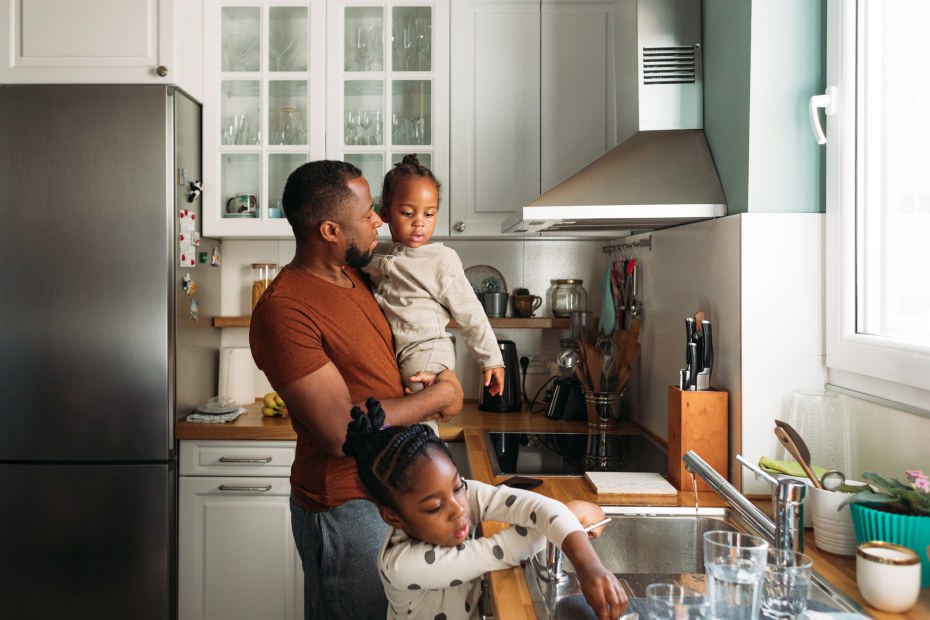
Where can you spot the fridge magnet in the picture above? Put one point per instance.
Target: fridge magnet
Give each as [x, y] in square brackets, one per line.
[188, 285]
[196, 189]
[216, 260]
[194, 309]
[188, 239]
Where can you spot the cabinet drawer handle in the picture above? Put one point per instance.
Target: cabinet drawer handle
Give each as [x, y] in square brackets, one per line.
[240, 459]
[262, 489]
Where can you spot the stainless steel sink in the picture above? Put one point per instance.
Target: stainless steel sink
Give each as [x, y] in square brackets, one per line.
[643, 545]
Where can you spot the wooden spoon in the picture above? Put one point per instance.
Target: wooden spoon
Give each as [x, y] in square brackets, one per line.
[786, 440]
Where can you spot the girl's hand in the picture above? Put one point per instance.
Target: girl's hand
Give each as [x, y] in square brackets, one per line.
[589, 514]
[494, 377]
[603, 592]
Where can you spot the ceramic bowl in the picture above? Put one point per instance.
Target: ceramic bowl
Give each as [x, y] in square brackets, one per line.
[888, 575]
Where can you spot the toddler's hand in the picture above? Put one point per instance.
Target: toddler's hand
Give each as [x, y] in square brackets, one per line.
[494, 377]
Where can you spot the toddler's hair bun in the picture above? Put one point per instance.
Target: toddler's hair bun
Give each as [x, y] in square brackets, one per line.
[363, 427]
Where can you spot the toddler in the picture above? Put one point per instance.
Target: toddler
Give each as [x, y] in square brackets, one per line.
[421, 285]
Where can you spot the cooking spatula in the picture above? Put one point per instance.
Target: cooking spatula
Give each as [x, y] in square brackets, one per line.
[796, 448]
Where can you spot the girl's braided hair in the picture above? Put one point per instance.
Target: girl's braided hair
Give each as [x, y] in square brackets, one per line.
[384, 455]
[408, 167]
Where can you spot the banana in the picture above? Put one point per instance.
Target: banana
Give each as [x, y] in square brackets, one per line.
[273, 405]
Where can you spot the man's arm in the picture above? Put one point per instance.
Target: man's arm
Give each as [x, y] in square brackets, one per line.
[321, 402]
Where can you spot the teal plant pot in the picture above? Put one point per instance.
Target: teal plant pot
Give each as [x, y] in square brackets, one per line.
[908, 531]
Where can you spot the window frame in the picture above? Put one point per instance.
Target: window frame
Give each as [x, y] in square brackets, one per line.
[872, 365]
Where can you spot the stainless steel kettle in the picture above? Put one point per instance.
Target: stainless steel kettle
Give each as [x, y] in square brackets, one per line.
[510, 400]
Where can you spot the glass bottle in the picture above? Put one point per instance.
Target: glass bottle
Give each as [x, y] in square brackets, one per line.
[262, 275]
[566, 296]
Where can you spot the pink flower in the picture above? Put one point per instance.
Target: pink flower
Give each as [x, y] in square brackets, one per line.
[919, 478]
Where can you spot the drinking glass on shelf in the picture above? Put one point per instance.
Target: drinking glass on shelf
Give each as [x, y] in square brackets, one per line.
[279, 45]
[409, 45]
[288, 129]
[351, 127]
[364, 121]
[395, 128]
[363, 37]
[378, 132]
[423, 42]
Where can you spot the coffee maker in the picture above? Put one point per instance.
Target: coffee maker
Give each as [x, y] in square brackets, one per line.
[510, 400]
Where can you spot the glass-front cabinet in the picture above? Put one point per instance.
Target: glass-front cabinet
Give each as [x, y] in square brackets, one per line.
[387, 89]
[288, 82]
[264, 110]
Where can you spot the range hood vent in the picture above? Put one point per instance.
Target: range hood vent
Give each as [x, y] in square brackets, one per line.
[661, 174]
[655, 179]
[668, 65]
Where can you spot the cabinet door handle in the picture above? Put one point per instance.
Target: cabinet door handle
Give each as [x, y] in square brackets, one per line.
[241, 459]
[161, 70]
[261, 489]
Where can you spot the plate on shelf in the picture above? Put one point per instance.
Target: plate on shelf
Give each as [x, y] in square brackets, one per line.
[486, 279]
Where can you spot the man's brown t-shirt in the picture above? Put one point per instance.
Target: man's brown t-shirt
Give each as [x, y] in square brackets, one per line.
[301, 323]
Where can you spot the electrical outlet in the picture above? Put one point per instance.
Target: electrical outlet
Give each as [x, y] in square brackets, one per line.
[539, 363]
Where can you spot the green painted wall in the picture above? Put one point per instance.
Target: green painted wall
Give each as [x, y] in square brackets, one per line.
[763, 60]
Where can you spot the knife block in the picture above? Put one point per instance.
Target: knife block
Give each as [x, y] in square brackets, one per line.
[697, 421]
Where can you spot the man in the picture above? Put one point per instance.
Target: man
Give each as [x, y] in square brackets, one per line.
[320, 338]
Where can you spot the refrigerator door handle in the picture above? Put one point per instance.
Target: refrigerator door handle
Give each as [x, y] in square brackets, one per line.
[261, 489]
[239, 459]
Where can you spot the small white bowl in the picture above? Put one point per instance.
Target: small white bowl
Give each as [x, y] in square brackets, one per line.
[888, 576]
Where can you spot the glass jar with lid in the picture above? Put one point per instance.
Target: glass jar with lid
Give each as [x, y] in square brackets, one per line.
[566, 296]
[262, 275]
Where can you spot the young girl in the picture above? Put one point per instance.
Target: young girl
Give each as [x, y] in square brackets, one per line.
[431, 564]
[421, 285]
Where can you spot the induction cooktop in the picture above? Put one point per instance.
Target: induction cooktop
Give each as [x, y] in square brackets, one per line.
[572, 454]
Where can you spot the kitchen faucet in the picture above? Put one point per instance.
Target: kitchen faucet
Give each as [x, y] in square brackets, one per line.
[786, 531]
[553, 572]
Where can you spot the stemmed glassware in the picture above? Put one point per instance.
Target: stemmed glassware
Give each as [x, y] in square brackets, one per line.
[364, 121]
[378, 133]
[423, 39]
[351, 127]
[278, 46]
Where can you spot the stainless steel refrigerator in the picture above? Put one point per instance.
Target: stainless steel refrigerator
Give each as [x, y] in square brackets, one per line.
[99, 345]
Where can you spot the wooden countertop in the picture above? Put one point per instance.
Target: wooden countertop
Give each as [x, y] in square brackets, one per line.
[510, 593]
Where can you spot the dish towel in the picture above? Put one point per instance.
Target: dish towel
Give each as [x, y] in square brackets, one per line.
[208, 418]
[608, 320]
[789, 468]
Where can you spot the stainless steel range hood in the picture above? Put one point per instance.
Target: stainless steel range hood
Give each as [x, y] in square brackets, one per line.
[663, 174]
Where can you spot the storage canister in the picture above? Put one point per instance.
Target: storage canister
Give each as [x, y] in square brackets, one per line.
[262, 275]
[566, 296]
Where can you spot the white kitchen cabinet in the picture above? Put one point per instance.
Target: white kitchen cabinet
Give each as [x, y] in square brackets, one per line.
[532, 102]
[264, 109]
[236, 552]
[387, 88]
[102, 41]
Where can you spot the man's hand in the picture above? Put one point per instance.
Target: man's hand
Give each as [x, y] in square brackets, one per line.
[494, 378]
[425, 378]
[447, 380]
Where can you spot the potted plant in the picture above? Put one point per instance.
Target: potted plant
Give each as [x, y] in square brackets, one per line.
[896, 512]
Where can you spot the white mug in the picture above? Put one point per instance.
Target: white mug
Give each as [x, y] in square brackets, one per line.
[888, 575]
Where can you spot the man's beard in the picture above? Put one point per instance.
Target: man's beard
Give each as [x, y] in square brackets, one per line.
[355, 257]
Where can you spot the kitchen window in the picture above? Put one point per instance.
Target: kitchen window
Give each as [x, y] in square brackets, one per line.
[878, 199]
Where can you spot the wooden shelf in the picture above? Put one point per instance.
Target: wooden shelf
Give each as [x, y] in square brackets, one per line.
[544, 322]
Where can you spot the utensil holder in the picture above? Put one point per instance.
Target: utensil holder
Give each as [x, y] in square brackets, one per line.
[697, 421]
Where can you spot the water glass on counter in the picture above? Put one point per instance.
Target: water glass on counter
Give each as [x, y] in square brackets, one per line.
[671, 601]
[787, 583]
[735, 566]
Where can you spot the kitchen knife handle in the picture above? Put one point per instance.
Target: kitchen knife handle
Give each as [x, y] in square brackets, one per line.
[708, 345]
[689, 336]
[693, 364]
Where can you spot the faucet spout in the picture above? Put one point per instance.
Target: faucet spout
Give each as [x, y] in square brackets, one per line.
[728, 493]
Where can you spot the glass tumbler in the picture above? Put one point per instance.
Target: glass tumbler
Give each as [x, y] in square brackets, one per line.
[670, 601]
[567, 296]
[787, 583]
[735, 567]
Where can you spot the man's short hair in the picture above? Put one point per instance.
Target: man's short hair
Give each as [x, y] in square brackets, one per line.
[318, 191]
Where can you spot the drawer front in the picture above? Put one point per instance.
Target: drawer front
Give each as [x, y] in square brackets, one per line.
[236, 458]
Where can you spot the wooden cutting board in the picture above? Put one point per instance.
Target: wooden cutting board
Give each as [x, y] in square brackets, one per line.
[630, 483]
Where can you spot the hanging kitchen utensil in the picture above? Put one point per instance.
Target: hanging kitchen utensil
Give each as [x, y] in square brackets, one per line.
[789, 438]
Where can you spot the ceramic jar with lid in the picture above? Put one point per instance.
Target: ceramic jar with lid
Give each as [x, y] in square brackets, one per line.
[566, 296]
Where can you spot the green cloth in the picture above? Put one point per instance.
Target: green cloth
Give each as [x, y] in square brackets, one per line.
[789, 468]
